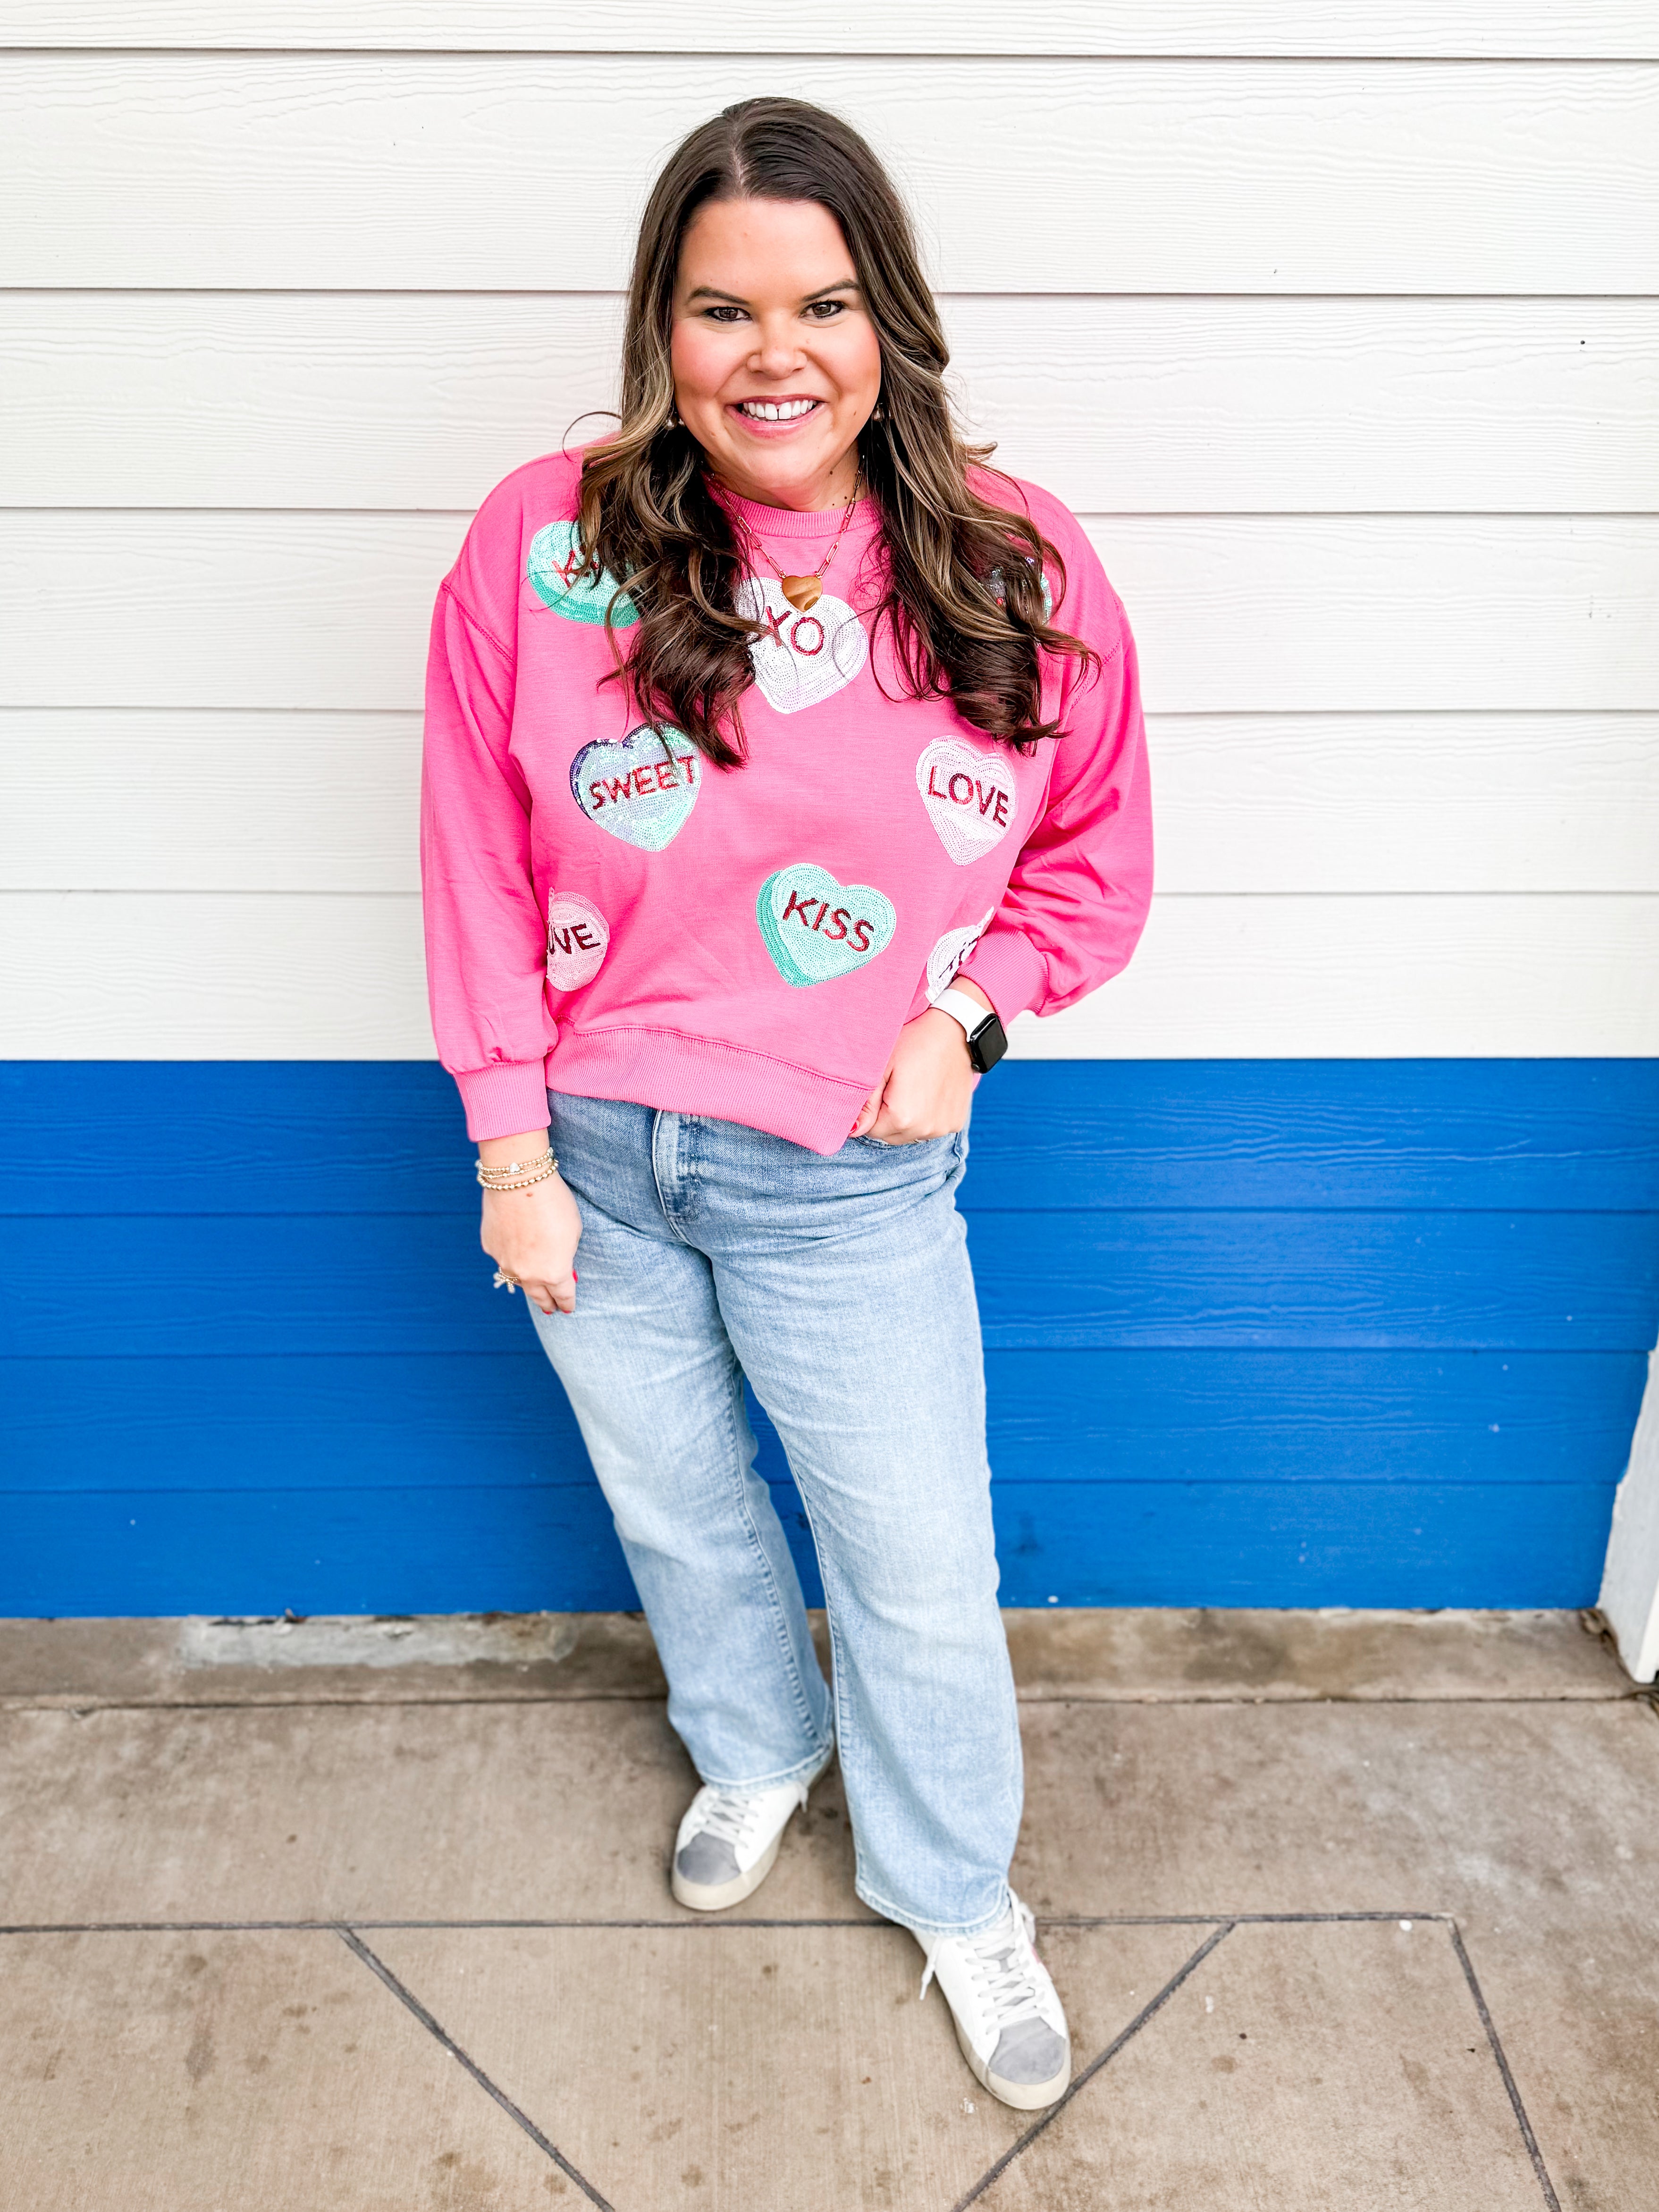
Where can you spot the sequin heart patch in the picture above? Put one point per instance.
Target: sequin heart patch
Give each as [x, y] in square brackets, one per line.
[801, 660]
[639, 788]
[950, 950]
[578, 938]
[555, 570]
[816, 929]
[970, 797]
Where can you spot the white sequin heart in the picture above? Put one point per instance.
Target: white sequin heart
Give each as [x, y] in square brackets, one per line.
[970, 797]
[803, 658]
[951, 949]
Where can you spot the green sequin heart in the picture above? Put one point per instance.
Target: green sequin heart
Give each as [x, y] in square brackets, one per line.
[816, 929]
[555, 570]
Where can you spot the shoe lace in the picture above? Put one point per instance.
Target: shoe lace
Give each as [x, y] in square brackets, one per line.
[729, 1817]
[997, 1961]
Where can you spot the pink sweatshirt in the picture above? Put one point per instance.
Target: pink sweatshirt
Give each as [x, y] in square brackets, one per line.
[608, 915]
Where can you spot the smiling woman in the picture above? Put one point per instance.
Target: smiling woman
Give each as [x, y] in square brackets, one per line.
[777, 752]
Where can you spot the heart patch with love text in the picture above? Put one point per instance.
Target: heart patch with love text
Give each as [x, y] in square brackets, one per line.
[639, 788]
[816, 928]
[970, 797]
[801, 660]
[578, 938]
[556, 573]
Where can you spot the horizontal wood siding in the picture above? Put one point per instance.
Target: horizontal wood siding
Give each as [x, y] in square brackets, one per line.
[1355, 1333]
[1189, 406]
[244, 799]
[1316, 1253]
[1537, 28]
[1189, 176]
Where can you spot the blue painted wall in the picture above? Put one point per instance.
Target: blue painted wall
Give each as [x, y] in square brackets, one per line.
[1275, 1333]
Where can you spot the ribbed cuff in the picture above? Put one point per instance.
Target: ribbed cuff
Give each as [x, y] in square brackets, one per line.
[1008, 969]
[504, 1099]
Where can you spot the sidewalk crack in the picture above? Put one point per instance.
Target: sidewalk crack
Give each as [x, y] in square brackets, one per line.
[353, 1942]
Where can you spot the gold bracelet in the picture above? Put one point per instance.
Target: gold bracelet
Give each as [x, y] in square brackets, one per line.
[520, 1175]
[514, 1166]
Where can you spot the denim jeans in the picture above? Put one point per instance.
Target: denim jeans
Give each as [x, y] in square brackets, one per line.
[840, 1288]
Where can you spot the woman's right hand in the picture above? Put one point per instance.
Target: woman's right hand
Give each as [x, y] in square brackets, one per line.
[532, 1235]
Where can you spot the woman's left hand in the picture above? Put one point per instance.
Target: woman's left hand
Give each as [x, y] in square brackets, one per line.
[929, 1082]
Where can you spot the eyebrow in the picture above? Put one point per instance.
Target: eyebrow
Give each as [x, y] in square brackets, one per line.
[735, 299]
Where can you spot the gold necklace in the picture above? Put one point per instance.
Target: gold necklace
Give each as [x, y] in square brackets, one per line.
[804, 592]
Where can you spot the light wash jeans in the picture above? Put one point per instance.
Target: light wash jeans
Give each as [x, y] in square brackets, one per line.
[841, 1288]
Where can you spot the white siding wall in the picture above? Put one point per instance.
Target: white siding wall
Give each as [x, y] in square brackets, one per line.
[1338, 322]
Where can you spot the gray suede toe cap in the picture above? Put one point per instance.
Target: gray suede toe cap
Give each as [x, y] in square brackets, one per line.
[1027, 2054]
[708, 1860]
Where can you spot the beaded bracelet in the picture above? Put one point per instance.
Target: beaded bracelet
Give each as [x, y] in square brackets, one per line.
[518, 1175]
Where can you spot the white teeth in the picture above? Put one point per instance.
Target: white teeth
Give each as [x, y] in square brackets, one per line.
[784, 411]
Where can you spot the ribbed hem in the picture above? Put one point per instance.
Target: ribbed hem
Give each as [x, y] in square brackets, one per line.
[504, 1099]
[702, 1075]
[1008, 969]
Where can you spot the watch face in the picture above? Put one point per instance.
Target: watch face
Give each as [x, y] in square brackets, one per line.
[988, 1044]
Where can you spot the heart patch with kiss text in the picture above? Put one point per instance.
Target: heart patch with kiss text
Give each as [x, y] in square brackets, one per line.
[970, 796]
[555, 572]
[816, 928]
[639, 788]
[803, 658]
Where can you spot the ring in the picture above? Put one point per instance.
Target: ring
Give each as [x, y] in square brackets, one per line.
[504, 1281]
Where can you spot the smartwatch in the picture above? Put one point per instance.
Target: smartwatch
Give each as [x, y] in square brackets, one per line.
[987, 1039]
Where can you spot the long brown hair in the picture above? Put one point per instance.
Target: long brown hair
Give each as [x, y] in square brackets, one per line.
[963, 587]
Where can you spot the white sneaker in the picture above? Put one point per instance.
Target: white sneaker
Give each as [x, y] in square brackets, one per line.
[1010, 2022]
[727, 1844]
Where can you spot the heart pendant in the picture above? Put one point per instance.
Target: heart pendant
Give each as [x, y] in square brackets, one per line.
[801, 660]
[816, 929]
[803, 592]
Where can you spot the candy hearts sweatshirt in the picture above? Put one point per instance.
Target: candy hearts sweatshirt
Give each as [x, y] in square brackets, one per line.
[608, 915]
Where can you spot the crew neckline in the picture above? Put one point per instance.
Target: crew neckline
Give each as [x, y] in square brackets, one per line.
[818, 524]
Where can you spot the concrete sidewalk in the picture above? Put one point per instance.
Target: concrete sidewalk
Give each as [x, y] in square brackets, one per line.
[1349, 1911]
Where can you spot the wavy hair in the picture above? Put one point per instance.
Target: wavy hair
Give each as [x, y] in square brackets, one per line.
[963, 589]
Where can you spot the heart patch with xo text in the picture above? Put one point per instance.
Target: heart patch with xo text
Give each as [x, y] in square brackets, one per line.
[970, 797]
[556, 571]
[639, 788]
[816, 928]
[801, 660]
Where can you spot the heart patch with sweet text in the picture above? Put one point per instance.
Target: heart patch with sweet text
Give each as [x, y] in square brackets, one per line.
[802, 658]
[970, 796]
[639, 788]
[555, 572]
[950, 950]
[578, 938]
[816, 928]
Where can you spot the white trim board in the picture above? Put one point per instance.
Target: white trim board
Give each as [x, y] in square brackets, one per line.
[224, 799]
[1408, 29]
[1630, 1584]
[1164, 406]
[425, 171]
[1232, 613]
[268, 976]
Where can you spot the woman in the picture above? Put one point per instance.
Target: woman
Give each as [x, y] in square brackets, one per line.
[778, 755]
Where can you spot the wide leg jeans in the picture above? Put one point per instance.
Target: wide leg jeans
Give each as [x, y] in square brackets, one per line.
[841, 1287]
